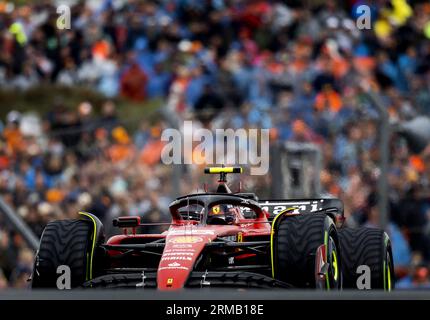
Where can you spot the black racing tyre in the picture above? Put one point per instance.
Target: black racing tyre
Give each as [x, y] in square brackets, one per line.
[370, 247]
[63, 242]
[295, 244]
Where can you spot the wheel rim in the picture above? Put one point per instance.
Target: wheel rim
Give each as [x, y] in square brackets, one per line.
[335, 266]
[387, 267]
[389, 279]
[334, 271]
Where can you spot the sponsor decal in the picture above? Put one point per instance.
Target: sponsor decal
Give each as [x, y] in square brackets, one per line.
[174, 266]
[179, 250]
[181, 246]
[176, 258]
[299, 206]
[186, 239]
[240, 237]
[178, 254]
[216, 210]
[191, 232]
[246, 225]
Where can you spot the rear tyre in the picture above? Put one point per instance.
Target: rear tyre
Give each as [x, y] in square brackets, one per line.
[295, 243]
[369, 247]
[64, 242]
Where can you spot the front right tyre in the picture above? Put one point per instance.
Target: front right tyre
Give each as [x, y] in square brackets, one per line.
[64, 243]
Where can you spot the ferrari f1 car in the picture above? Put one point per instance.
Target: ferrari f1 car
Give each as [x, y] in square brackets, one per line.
[219, 239]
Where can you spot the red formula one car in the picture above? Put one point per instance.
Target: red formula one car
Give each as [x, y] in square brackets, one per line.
[219, 239]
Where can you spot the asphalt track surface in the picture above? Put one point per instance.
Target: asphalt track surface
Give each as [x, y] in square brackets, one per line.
[211, 294]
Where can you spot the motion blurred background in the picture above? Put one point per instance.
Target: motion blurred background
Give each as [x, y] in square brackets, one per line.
[82, 110]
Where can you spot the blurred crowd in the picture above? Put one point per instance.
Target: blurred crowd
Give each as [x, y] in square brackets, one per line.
[296, 69]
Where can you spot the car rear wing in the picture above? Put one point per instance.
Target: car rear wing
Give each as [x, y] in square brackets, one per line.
[332, 207]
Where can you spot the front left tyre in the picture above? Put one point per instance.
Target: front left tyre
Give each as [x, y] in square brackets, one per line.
[367, 248]
[298, 242]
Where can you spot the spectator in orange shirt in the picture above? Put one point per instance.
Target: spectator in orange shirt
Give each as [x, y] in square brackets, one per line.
[13, 137]
[123, 149]
[328, 99]
[151, 153]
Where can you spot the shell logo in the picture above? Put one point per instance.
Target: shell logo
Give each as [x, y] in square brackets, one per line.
[186, 239]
